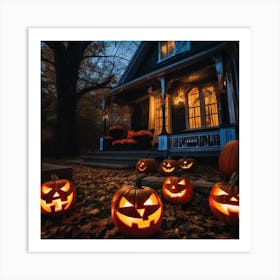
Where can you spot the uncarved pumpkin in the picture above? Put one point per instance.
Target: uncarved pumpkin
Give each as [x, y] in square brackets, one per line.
[137, 210]
[224, 201]
[229, 159]
[178, 190]
[57, 197]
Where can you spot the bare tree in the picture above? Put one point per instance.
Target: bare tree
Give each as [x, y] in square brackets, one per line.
[72, 69]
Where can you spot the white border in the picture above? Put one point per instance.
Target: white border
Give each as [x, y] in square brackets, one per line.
[243, 35]
[263, 18]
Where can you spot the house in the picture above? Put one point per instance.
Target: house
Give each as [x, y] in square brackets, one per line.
[185, 92]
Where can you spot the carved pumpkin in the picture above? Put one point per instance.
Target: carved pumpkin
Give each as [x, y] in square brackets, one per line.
[229, 159]
[177, 190]
[187, 164]
[137, 211]
[146, 165]
[224, 201]
[168, 166]
[57, 197]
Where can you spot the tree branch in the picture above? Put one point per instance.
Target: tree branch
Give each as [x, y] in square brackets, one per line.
[96, 86]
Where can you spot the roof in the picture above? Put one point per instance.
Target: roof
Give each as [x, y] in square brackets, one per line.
[144, 65]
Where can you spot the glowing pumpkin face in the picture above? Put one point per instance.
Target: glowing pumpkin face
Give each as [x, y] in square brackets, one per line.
[57, 197]
[224, 202]
[187, 164]
[146, 165]
[177, 190]
[168, 166]
[137, 212]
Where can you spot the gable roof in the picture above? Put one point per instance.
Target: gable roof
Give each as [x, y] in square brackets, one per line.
[145, 65]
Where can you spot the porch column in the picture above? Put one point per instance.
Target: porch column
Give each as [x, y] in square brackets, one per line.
[163, 98]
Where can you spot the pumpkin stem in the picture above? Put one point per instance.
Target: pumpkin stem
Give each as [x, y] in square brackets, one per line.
[234, 178]
[54, 177]
[138, 182]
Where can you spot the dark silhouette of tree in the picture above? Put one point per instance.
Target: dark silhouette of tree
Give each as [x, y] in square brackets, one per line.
[69, 71]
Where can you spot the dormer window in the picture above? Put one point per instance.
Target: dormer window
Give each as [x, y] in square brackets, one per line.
[167, 48]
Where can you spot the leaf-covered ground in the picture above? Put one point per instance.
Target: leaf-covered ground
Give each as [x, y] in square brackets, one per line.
[91, 216]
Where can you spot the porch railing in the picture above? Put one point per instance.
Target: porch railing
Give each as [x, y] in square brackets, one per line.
[212, 140]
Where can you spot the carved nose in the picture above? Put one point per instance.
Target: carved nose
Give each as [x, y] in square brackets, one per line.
[56, 194]
[173, 187]
[141, 211]
[168, 164]
[233, 199]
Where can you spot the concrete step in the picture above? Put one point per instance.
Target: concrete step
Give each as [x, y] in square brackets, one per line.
[101, 164]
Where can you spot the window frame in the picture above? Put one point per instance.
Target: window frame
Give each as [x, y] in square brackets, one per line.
[202, 107]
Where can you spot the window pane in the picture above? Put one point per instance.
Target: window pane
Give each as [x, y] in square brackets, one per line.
[163, 49]
[211, 107]
[166, 48]
[194, 108]
[170, 47]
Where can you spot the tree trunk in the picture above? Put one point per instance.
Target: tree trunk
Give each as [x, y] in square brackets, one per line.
[67, 66]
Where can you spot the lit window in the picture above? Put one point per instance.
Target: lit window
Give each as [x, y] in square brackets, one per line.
[194, 108]
[211, 110]
[202, 107]
[167, 48]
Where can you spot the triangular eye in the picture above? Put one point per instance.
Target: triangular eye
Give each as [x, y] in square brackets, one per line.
[182, 182]
[125, 203]
[46, 190]
[219, 191]
[168, 181]
[66, 187]
[152, 200]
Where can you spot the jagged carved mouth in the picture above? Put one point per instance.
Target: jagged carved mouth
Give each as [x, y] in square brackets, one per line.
[226, 208]
[139, 222]
[57, 204]
[174, 195]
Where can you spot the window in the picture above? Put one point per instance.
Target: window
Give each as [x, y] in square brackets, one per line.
[211, 109]
[167, 48]
[194, 109]
[202, 107]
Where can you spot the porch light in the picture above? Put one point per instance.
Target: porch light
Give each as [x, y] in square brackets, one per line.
[179, 98]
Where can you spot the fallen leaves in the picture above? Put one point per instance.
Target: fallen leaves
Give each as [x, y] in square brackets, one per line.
[91, 216]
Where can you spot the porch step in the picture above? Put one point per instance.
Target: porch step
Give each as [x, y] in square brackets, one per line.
[118, 159]
[100, 164]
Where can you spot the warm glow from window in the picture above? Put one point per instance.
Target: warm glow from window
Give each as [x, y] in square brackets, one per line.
[166, 48]
[211, 109]
[194, 108]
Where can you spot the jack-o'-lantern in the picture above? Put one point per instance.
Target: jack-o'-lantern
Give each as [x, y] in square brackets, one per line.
[187, 164]
[229, 159]
[168, 166]
[137, 211]
[57, 197]
[146, 165]
[177, 190]
[224, 201]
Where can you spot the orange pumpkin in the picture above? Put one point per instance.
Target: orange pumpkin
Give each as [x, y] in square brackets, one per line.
[224, 201]
[168, 166]
[146, 165]
[57, 197]
[229, 159]
[177, 190]
[137, 211]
